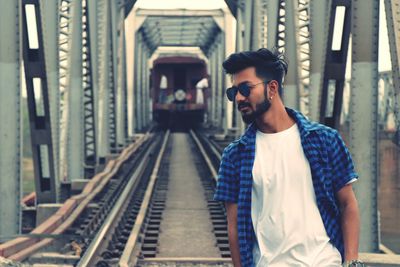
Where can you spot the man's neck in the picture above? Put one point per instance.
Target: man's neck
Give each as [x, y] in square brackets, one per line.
[275, 120]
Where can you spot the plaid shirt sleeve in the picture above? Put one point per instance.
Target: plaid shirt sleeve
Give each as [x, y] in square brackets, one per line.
[343, 167]
[228, 180]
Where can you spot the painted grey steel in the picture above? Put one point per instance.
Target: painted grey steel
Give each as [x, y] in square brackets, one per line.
[248, 25]
[224, 103]
[392, 8]
[38, 105]
[64, 64]
[103, 76]
[143, 86]
[237, 119]
[291, 95]
[176, 30]
[319, 21]
[10, 119]
[335, 65]
[136, 89]
[256, 25]
[364, 115]
[272, 27]
[89, 106]
[302, 22]
[75, 142]
[138, 75]
[112, 99]
[94, 61]
[220, 85]
[214, 78]
[50, 22]
[122, 104]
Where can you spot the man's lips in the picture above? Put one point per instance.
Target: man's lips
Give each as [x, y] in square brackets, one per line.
[242, 107]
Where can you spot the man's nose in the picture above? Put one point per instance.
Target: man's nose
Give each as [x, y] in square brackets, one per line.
[239, 97]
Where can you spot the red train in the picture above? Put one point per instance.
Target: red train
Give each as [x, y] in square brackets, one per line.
[176, 100]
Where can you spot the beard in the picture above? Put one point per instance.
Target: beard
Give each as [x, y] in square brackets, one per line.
[253, 115]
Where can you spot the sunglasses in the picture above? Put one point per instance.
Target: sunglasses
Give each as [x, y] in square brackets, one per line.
[243, 89]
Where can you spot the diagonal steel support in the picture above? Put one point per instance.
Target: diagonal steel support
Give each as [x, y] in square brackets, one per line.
[335, 64]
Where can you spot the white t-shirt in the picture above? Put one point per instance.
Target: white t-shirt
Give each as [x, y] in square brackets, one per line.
[286, 219]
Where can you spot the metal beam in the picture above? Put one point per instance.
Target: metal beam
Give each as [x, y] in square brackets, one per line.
[319, 21]
[10, 119]
[75, 144]
[89, 135]
[364, 116]
[335, 65]
[50, 21]
[39, 111]
[179, 12]
[104, 50]
[291, 94]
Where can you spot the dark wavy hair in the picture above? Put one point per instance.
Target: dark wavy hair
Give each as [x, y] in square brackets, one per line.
[269, 64]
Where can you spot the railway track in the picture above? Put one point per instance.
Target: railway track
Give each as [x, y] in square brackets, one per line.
[121, 223]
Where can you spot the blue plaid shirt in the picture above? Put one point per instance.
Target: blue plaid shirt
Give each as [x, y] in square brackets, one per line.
[331, 168]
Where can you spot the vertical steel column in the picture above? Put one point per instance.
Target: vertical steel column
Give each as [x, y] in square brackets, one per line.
[236, 118]
[75, 94]
[215, 87]
[64, 65]
[256, 25]
[319, 22]
[248, 24]
[138, 87]
[146, 90]
[112, 101]
[38, 103]
[122, 130]
[50, 22]
[272, 23]
[147, 80]
[224, 84]
[136, 83]
[291, 95]
[10, 119]
[103, 76]
[219, 87]
[364, 115]
[392, 8]
[303, 52]
[280, 25]
[143, 84]
[90, 145]
[95, 67]
[228, 48]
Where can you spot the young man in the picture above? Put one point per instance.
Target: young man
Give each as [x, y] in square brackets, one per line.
[286, 182]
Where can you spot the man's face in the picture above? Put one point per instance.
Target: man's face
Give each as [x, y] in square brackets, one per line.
[256, 103]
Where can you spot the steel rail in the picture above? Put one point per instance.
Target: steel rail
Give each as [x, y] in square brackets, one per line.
[22, 247]
[127, 257]
[205, 156]
[92, 252]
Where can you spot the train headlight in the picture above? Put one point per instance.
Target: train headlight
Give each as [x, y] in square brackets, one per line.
[180, 95]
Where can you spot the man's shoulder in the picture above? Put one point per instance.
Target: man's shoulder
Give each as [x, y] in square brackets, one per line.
[232, 148]
[323, 130]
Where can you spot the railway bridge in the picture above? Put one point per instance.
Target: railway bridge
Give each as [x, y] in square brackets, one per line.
[88, 177]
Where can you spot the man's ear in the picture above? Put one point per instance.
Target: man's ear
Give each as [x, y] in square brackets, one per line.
[273, 88]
